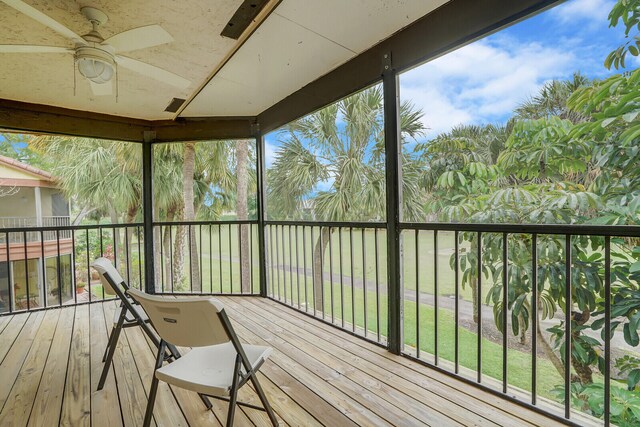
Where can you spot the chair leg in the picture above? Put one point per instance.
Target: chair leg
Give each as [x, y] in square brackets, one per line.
[148, 415]
[263, 399]
[106, 350]
[234, 393]
[115, 334]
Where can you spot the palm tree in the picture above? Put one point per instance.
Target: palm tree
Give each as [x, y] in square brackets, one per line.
[242, 210]
[98, 175]
[342, 148]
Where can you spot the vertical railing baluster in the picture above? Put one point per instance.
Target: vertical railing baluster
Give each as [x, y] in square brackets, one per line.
[278, 261]
[9, 271]
[190, 251]
[88, 263]
[230, 259]
[58, 268]
[171, 259]
[534, 317]
[322, 302]
[331, 294]
[456, 304]
[607, 331]
[73, 266]
[26, 269]
[251, 284]
[353, 294]
[416, 237]
[240, 230]
[220, 255]
[377, 287]
[313, 273]
[140, 286]
[284, 269]
[162, 261]
[435, 296]
[297, 266]
[364, 280]
[101, 253]
[567, 333]
[200, 253]
[210, 258]
[115, 248]
[44, 272]
[290, 265]
[505, 305]
[304, 262]
[479, 302]
[341, 276]
[271, 258]
[126, 253]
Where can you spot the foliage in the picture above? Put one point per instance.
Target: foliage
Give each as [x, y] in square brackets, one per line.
[625, 404]
[627, 12]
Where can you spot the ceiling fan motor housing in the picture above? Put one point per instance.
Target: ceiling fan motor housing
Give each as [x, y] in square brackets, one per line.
[95, 64]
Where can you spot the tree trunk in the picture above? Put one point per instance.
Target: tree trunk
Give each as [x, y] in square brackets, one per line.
[190, 213]
[127, 254]
[318, 255]
[242, 211]
[475, 300]
[167, 248]
[546, 347]
[583, 371]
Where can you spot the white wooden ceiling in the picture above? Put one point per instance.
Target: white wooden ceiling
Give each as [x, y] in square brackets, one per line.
[298, 43]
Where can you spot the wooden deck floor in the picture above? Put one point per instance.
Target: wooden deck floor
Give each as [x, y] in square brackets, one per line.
[50, 362]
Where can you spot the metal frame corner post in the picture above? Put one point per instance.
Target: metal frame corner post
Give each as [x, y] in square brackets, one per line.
[393, 173]
[262, 246]
[147, 208]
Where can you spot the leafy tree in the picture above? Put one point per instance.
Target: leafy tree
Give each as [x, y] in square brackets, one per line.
[627, 11]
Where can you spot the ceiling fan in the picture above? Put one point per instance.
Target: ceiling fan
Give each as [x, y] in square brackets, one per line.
[95, 57]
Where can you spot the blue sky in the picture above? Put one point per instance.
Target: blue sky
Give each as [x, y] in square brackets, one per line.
[484, 81]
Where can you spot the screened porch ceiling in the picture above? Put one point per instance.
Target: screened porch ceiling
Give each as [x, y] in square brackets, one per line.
[294, 43]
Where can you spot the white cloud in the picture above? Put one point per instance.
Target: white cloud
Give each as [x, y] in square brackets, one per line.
[580, 10]
[482, 82]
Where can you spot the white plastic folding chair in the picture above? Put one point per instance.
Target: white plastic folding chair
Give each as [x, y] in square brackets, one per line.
[218, 364]
[129, 313]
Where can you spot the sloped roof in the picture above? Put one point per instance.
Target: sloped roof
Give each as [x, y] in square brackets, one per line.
[15, 164]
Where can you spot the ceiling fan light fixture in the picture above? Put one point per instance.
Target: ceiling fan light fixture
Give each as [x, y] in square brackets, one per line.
[95, 64]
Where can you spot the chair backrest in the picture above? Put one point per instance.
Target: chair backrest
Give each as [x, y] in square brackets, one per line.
[188, 322]
[108, 271]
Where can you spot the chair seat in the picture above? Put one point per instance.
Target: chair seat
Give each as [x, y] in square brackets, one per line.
[129, 318]
[209, 370]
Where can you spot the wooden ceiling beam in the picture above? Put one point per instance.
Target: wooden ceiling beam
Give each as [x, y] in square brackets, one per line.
[37, 118]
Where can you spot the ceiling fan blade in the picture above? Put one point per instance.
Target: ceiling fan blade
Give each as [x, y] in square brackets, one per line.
[153, 72]
[44, 19]
[139, 38]
[101, 89]
[26, 48]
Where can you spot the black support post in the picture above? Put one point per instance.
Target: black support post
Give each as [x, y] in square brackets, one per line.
[147, 207]
[262, 246]
[394, 197]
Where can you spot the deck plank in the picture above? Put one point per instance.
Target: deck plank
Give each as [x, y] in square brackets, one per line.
[48, 400]
[131, 392]
[76, 403]
[317, 375]
[105, 404]
[494, 407]
[11, 332]
[19, 403]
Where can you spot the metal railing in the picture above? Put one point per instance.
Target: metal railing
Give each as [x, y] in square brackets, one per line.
[32, 222]
[221, 257]
[54, 268]
[465, 286]
[335, 272]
